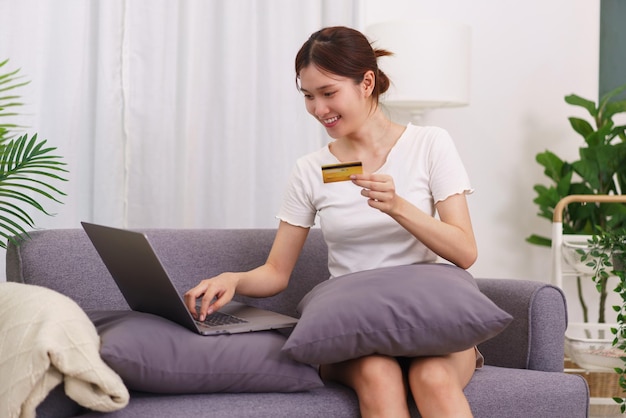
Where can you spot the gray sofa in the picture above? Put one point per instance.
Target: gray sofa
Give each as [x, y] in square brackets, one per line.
[523, 376]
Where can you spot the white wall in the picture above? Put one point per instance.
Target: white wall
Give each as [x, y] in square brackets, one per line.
[526, 56]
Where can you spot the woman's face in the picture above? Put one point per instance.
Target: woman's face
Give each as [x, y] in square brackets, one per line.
[337, 102]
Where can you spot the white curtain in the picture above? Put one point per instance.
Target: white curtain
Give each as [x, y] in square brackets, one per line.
[169, 113]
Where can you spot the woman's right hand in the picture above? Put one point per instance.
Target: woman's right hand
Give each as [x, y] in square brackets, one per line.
[215, 293]
[263, 281]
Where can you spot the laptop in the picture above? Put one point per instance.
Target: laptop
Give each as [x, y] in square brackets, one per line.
[146, 286]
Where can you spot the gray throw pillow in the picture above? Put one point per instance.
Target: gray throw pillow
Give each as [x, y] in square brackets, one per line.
[152, 354]
[415, 310]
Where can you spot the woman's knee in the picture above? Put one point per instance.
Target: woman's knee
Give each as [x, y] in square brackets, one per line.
[379, 384]
[369, 371]
[430, 372]
[437, 384]
[379, 368]
[443, 372]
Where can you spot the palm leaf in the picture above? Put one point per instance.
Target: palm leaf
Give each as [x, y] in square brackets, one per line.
[28, 169]
[9, 81]
[25, 166]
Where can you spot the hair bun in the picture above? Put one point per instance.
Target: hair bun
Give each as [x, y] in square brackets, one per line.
[383, 81]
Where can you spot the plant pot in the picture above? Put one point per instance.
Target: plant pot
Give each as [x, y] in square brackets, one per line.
[572, 245]
[590, 345]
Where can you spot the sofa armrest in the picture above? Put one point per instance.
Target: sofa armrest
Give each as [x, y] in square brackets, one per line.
[535, 338]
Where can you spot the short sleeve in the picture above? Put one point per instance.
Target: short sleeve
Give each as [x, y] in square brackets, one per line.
[297, 207]
[448, 175]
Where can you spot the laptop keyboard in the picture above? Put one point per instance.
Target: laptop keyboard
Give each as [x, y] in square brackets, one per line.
[217, 319]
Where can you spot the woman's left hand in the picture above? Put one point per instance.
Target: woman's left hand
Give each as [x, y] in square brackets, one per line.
[379, 189]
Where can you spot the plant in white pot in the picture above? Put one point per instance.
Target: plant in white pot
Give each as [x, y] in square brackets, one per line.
[600, 170]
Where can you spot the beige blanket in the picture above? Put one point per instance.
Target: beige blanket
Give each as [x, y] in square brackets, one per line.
[46, 339]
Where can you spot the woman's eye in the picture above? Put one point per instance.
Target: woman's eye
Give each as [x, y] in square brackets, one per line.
[329, 94]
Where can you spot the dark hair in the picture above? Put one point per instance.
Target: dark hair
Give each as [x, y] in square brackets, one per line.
[345, 52]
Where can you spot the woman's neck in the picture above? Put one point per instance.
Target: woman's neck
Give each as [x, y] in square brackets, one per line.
[370, 144]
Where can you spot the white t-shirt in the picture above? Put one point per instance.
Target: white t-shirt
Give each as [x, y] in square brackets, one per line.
[426, 168]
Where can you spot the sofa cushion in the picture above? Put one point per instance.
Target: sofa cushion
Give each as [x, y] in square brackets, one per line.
[416, 310]
[153, 354]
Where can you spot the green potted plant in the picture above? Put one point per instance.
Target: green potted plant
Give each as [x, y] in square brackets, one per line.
[607, 257]
[599, 170]
[28, 169]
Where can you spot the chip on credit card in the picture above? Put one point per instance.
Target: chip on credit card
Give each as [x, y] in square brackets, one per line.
[341, 172]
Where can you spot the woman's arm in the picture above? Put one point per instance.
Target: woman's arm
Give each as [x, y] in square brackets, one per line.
[266, 280]
[451, 236]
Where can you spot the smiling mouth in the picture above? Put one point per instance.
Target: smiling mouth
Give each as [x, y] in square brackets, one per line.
[330, 121]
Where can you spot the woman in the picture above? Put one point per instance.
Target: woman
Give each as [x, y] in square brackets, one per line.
[383, 217]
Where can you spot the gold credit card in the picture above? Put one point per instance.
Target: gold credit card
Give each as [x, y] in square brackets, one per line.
[341, 172]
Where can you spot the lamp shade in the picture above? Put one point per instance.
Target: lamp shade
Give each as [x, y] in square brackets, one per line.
[430, 65]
